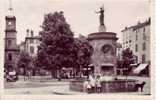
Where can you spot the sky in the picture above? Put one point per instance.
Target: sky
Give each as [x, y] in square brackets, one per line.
[80, 14]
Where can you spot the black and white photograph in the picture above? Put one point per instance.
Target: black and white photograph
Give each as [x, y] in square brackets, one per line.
[76, 47]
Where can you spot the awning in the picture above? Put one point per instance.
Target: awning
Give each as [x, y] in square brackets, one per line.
[107, 64]
[63, 68]
[86, 68]
[91, 65]
[140, 68]
[67, 69]
[134, 64]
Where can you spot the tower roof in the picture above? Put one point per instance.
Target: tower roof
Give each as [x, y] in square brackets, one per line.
[10, 17]
[10, 10]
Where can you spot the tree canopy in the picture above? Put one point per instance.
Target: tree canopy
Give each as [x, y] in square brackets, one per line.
[128, 58]
[58, 46]
[24, 60]
[84, 52]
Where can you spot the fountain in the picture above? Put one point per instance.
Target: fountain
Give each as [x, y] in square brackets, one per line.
[104, 61]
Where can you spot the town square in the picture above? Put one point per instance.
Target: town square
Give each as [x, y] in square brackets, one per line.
[77, 47]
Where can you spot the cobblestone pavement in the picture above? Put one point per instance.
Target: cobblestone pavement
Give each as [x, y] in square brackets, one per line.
[47, 86]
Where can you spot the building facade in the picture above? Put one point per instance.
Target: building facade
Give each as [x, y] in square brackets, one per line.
[137, 38]
[119, 51]
[31, 43]
[11, 48]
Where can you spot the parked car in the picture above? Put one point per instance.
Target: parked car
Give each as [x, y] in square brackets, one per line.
[11, 76]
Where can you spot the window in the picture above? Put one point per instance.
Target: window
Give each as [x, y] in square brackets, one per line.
[137, 30]
[136, 48]
[31, 41]
[37, 41]
[31, 49]
[10, 56]
[144, 46]
[136, 37]
[136, 59]
[144, 36]
[143, 58]
[32, 33]
[130, 41]
[144, 30]
[9, 42]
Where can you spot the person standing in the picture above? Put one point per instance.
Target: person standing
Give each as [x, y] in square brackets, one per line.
[93, 83]
[87, 86]
[98, 84]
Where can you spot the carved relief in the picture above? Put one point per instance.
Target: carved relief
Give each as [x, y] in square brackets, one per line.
[107, 49]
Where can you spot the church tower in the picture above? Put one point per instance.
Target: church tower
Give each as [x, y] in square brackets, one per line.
[11, 48]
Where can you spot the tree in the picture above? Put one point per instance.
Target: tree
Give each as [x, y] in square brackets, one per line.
[25, 61]
[128, 58]
[59, 48]
[57, 43]
[84, 52]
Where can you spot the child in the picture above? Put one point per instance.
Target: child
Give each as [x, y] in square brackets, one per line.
[98, 84]
[89, 87]
[93, 83]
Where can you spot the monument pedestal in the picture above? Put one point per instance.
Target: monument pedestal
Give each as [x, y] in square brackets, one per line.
[102, 28]
[104, 54]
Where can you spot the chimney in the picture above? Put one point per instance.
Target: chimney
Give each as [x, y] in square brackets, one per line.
[27, 32]
[32, 33]
[139, 23]
[149, 20]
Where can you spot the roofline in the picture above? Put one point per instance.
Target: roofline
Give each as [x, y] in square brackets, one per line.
[147, 22]
[32, 38]
[10, 17]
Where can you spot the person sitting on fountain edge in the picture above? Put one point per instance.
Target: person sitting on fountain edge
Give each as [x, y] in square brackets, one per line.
[93, 82]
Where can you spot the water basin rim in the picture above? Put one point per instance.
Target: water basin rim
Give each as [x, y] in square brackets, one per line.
[98, 33]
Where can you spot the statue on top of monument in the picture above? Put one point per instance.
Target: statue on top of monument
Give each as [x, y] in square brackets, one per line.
[101, 17]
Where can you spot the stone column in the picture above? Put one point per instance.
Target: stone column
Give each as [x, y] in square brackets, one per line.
[97, 69]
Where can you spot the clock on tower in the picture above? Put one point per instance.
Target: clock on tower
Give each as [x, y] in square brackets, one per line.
[10, 23]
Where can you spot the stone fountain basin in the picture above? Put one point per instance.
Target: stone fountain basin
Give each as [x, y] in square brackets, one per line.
[120, 85]
[108, 86]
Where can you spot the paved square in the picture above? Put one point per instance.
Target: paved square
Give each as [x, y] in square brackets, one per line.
[47, 86]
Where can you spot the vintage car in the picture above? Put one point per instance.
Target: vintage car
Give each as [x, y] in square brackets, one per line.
[11, 76]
